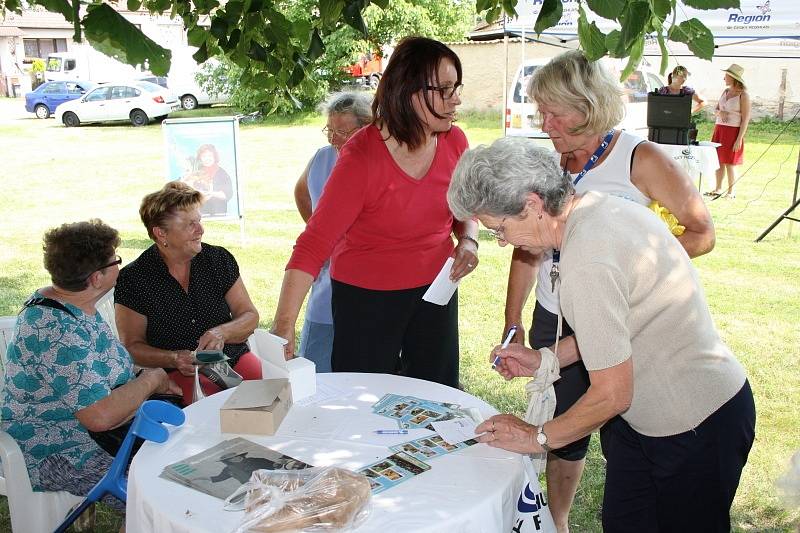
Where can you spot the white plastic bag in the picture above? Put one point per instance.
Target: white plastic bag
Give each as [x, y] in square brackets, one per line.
[197, 393]
[312, 499]
[532, 515]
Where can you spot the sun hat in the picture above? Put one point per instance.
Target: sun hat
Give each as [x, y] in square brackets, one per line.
[735, 72]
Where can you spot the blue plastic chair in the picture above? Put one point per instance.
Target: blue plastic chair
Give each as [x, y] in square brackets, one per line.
[147, 425]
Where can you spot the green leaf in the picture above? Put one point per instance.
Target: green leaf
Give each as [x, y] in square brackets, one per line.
[493, 14]
[664, 54]
[63, 7]
[713, 4]
[233, 11]
[509, 6]
[257, 52]
[352, 15]
[593, 41]
[202, 54]
[549, 15]
[134, 5]
[219, 27]
[662, 8]
[330, 11]
[633, 19]
[609, 9]
[485, 5]
[110, 33]
[233, 40]
[255, 6]
[696, 36]
[196, 36]
[637, 49]
[316, 47]
[612, 41]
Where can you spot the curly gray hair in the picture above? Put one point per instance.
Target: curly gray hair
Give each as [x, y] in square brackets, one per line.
[496, 180]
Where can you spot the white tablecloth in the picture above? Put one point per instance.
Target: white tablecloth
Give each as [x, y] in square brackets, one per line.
[471, 490]
[697, 160]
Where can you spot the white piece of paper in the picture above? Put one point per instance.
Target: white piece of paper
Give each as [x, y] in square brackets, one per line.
[325, 393]
[442, 288]
[456, 430]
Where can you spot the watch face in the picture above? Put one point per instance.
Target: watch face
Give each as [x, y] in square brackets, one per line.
[541, 438]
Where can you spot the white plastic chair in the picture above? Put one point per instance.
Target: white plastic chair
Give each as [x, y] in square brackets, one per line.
[34, 512]
[6, 331]
[105, 306]
[31, 512]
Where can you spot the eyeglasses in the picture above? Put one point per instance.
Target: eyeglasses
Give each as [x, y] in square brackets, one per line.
[498, 233]
[447, 92]
[117, 261]
[331, 133]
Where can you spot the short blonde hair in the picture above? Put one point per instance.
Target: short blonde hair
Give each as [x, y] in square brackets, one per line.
[570, 80]
[157, 207]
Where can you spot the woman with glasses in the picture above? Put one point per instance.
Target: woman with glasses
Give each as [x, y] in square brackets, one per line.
[65, 372]
[346, 113]
[181, 295]
[674, 408]
[580, 105]
[384, 223]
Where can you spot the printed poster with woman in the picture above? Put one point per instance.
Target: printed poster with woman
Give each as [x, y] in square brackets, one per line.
[204, 154]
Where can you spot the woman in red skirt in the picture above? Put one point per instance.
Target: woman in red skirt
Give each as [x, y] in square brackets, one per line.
[733, 115]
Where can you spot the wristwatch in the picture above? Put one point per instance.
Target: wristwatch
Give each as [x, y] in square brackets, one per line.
[473, 239]
[541, 438]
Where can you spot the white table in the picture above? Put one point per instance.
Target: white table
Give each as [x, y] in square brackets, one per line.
[695, 159]
[471, 490]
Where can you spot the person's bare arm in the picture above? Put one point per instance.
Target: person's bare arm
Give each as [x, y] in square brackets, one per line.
[660, 178]
[122, 403]
[521, 279]
[240, 327]
[699, 103]
[296, 285]
[302, 198]
[132, 328]
[745, 108]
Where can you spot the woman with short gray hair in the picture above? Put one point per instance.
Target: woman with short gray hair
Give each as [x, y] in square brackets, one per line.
[579, 105]
[675, 409]
[346, 113]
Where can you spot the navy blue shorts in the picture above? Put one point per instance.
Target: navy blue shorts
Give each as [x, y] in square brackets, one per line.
[574, 381]
[684, 482]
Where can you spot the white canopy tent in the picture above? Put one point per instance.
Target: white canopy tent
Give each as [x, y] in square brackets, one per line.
[760, 28]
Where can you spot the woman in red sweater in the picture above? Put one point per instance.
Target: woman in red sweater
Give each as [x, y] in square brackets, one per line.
[384, 222]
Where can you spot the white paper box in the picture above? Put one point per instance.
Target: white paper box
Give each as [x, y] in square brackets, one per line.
[300, 372]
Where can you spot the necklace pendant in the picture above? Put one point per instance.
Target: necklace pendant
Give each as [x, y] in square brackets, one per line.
[553, 277]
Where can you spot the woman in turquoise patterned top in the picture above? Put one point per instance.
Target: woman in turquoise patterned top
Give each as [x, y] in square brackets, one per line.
[66, 373]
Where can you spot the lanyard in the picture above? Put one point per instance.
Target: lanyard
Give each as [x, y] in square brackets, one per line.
[586, 168]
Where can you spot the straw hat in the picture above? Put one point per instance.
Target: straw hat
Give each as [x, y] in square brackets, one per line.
[735, 72]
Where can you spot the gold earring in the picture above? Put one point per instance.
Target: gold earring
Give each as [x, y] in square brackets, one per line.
[167, 246]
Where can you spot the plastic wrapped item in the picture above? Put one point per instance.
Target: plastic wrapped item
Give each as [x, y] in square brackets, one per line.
[312, 500]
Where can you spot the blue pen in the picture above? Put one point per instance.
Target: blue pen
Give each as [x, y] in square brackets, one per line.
[392, 431]
[511, 332]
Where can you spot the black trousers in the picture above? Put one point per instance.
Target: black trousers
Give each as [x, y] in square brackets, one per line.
[682, 483]
[394, 332]
[574, 380]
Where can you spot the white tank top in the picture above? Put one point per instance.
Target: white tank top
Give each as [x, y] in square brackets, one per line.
[732, 105]
[611, 176]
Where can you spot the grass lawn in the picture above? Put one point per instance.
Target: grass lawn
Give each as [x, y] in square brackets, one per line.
[54, 174]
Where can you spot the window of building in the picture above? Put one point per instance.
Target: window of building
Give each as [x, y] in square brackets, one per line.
[42, 47]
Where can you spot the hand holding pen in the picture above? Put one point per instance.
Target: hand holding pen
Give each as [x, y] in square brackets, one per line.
[516, 360]
[510, 335]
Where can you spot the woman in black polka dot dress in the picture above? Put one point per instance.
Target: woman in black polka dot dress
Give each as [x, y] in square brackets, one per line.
[181, 295]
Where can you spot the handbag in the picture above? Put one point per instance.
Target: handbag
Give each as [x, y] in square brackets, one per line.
[532, 515]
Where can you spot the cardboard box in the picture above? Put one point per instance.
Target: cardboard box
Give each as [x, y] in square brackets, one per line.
[256, 407]
[300, 372]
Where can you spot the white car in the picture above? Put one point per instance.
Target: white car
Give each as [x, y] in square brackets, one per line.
[521, 113]
[137, 101]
